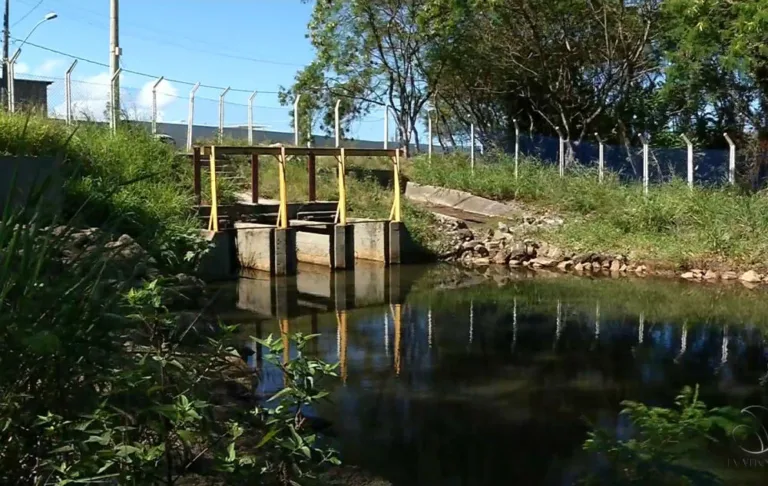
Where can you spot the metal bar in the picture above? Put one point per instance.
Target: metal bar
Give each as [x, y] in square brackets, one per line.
[342, 169]
[213, 221]
[296, 120]
[68, 92]
[645, 141]
[337, 124]
[254, 178]
[283, 221]
[731, 160]
[396, 207]
[429, 135]
[198, 176]
[601, 158]
[386, 127]
[221, 114]
[312, 171]
[690, 160]
[154, 104]
[561, 152]
[298, 151]
[191, 115]
[250, 118]
[517, 146]
[472, 147]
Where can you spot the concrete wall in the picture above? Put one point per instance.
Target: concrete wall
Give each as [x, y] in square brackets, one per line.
[31, 175]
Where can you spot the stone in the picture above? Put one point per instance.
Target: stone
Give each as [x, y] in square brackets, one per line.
[596, 267]
[579, 267]
[543, 249]
[530, 250]
[503, 227]
[481, 251]
[606, 263]
[583, 258]
[688, 276]
[465, 234]
[493, 245]
[500, 236]
[711, 275]
[518, 251]
[615, 266]
[729, 275]
[543, 262]
[697, 272]
[469, 245]
[565, 266]
[502, 257]
[481, 262]
[641, 269]
[623, 267]
[514, 263]
[750, 277]
[555, 253]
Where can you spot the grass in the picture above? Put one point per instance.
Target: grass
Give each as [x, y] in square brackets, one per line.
[129, 175]
[708, 226]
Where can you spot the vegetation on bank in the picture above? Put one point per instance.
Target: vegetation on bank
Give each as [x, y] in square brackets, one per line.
[708, 227]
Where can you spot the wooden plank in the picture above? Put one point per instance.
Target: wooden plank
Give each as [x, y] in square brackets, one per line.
[300, 151]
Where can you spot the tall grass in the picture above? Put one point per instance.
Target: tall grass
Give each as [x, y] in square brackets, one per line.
[706, 226]
[130, 175]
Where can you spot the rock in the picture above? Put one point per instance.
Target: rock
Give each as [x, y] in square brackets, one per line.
[623, 267]
[543, 262]
[493, 245]
[469, 245]
[606, 263]
[583, 258]
[481, 262]
[750, 277]
[518, 251]
[465, 234]
[502, 257]
[688, 276]
[481, 251]
[711, 275]
[641, 269]
[499, 236]
[596, 267]
[697, 272]
[729, 275]
[530, 250]
[514, 263]
[565, 266]
[579, 267]
[555, 253]
[503, 227]
[543, 249]
[615, 266]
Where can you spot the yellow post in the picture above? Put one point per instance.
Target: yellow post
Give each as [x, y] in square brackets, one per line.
[213, 220]
[282, 221]
[342, 167]
[394, 215]
[284, 330]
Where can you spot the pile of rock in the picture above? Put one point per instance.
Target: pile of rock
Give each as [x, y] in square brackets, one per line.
[748, 277]
[502, 247]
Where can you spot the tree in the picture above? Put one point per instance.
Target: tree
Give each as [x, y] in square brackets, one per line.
[371, 54]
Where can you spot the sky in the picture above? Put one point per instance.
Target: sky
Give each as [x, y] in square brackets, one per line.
[248, 45]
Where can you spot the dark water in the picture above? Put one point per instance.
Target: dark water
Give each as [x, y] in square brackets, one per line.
[496, 382]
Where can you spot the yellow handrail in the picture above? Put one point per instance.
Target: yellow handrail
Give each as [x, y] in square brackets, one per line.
[342, 169]
[213, 220]
[282, 217]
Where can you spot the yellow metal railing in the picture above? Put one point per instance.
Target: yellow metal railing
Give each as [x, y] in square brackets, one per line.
[341, 167]
[282, 214]
[213, 220]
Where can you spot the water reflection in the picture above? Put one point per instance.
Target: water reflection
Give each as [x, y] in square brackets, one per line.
[444, 388]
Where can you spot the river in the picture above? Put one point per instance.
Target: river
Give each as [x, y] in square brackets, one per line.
[456, 377]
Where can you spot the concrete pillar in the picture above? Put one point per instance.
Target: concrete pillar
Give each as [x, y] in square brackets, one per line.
[284, 251]
[343, 290]
[343, 247]
[396, 233]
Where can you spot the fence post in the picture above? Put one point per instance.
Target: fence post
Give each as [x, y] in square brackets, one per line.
[221, 114]
[472, 147]
[114, 110]
[296, 121]
[561, 150]
[429, 135]
[191, 115]
[337, 125]
[68, 92]
[386, 127]
[154, 104]
[731, 160]
[250, 118]
[644, 140]
[600, 158]
[690, 160]
[517, 146]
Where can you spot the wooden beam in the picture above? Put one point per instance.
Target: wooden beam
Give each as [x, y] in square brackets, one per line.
[301, 151]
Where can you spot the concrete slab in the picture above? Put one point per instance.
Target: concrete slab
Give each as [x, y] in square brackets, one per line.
[460, 200]
[314, 248]
[370, 240]
[254, 246]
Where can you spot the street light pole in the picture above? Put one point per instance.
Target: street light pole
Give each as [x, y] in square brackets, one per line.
[114, 54]
[6, 36]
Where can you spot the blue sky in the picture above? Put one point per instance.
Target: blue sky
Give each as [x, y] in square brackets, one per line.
[246, 44]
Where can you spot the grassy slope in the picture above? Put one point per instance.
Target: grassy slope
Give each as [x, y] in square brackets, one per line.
[129, 176]
[706, 226]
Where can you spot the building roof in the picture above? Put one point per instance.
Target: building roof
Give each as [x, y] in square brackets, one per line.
[40, 81]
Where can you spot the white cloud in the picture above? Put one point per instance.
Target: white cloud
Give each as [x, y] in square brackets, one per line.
[21, 68]
[50, 68]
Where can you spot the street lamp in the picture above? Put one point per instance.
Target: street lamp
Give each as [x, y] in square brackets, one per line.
[49, 16]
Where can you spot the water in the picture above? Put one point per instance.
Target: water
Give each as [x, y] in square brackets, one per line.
[496, 382]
